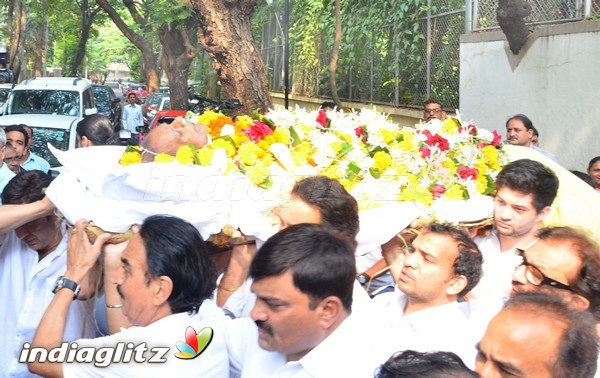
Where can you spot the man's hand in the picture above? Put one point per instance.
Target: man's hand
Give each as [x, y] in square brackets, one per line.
[82, 257]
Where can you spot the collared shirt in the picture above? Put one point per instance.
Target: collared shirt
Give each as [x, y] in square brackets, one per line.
[347, 352]
[26, 285]
[450, 327]
[35, 162]
[164, 333]
[547, 153]
[132, 117]
[5, 176]
[498, 267]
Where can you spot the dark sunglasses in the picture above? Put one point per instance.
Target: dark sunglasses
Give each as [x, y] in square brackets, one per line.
[534, 276]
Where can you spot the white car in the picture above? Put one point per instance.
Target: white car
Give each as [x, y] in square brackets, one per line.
[52, 107]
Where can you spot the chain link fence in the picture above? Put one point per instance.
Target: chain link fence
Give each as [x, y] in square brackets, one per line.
[380, 74]
[542, 11]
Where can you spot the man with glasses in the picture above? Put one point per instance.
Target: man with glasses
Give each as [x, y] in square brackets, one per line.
[433, 109]
[525, 192]
[564, 262]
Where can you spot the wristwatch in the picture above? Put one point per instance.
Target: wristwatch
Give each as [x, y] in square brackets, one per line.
[363, 278]
[63, 282]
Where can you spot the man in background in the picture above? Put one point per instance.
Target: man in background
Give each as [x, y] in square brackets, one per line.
[520, 132]
[433, 109]
[31, 161]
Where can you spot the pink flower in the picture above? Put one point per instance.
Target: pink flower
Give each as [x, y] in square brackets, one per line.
[322, 118]
[438, 190]
[497, 139]
[258, 131]
[425, 152]
[467, 173]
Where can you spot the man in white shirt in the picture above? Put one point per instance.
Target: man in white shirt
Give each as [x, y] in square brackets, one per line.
[525, 192]
[32, 257]
[303, 278]
[163, 281]
[315, 199]
[520, 132]
[442, 265]
[537, 335]
[132, 115]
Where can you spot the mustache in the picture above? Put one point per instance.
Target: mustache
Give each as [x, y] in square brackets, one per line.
[119, 291]
[264, 326]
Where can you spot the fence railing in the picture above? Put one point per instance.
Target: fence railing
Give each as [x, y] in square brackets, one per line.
[483, 12]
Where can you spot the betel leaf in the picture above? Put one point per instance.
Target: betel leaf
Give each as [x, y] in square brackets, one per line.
[267, 184]
[352, 171]
[296, 141]
[375, 172]
[268, 122]
[133, 149]
[346, 147]
[195, 152]
[377, 149]
[491, 185]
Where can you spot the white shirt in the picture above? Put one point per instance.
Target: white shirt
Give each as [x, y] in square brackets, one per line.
[166, 333]
[347, 352]
[132, 117]
[498, 267]
[36, 162]
[25, 292]
[449, 327]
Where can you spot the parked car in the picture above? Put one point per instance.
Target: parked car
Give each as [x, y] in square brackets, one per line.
[108, 104]
[151, 103]
[4, 92]
[52, 107]
[140, 90]
[164, 104]
[166, 116]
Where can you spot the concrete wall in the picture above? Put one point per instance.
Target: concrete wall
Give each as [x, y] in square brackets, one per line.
[554, 80]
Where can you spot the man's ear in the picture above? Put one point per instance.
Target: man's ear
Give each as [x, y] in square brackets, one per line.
[85, 142]
[457, 284]
[163, 287]
[579, 302]
[331, 309]
[542, 214]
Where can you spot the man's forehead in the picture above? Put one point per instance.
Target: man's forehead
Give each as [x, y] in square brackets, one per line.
[14, 134]
[508, 194]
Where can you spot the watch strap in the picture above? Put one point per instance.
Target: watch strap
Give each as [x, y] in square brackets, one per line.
[63, 282]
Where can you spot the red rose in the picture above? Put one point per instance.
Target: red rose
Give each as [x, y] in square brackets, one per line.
[468, 128]
[360, 133]
[437, 141]
[322, 118]
[438, 190]
[466, 173]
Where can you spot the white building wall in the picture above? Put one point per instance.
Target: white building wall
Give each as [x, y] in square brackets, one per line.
[554, 80]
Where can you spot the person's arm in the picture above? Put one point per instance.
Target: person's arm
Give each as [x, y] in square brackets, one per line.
[114, 312]
[81, 258]
[13, 216]
[236, 272]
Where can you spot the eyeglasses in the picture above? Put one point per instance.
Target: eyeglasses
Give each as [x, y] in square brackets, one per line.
[534, 276]
[13, 160]
[432, 111]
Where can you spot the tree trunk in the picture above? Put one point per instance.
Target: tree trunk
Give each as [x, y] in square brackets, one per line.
[40, 47]
[178, 55]
[16, 21]
[335, 54]
[150, 65]
[87, 16]
[225, 32]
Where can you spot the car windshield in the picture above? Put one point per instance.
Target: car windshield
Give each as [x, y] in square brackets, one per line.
[4, 94]
[44, 102]
[59, 138]
[101, 95]
[138, 87]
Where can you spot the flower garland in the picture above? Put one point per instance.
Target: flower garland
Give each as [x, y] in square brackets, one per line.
[450, 160]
